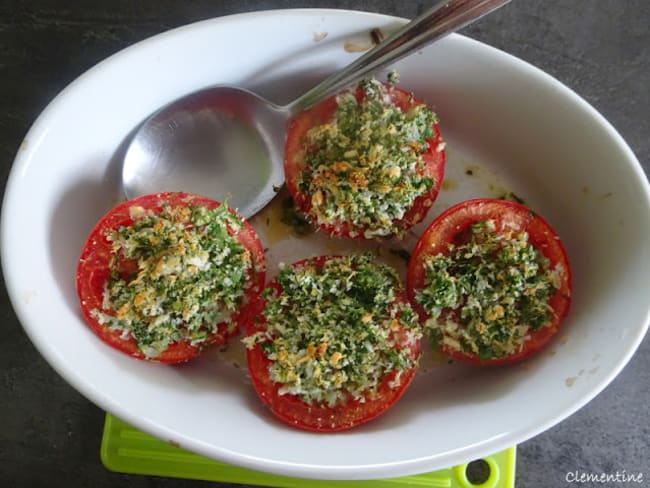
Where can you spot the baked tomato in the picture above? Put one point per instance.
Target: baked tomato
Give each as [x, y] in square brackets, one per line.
[332, 342]
[163, 276]
[366, 163]
[491, 281]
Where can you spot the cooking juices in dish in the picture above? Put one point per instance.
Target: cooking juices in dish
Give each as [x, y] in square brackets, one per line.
[163, 276]
[491, 281]
[366, 163]
[333, 342]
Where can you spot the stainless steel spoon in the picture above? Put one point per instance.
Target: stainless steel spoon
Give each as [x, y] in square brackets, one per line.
[227, 143]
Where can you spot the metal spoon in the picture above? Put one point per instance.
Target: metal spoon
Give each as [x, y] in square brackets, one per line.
[227, 143]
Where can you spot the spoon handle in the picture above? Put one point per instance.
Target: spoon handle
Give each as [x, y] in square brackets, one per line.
[444, 17]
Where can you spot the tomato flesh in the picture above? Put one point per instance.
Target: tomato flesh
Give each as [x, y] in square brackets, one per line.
[450, 225]
[324, 112]
[93, 273]
[317, 417]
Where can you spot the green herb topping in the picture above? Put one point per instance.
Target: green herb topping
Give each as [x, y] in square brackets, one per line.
[188, 274]
[335, 331]
[365, 166]
[485, 296]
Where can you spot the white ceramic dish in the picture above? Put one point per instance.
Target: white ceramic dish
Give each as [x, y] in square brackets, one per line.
[513, 126]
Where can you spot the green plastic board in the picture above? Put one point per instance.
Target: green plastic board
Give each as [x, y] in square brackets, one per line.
[127, 450]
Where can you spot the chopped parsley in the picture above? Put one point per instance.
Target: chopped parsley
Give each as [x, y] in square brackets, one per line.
[336, 330]
[365, 166]
[486, 295]
[174, 276]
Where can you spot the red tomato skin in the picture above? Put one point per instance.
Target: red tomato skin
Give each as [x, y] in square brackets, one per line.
[294, 153]
[455, 220]
[317, 418]
[93, 273]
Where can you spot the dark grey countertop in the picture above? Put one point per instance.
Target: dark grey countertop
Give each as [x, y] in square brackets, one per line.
[50, 434]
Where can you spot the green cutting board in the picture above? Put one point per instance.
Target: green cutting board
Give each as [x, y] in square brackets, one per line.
[127, 450]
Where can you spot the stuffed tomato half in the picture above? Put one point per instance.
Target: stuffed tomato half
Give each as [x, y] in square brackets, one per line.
[491, 281]
[165, 275]
[332, 342]
[365, 164]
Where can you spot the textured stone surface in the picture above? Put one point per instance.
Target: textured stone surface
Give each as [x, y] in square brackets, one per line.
[600, 48]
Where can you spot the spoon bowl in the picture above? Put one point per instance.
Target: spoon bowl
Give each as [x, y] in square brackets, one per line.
[210, 142]
[227, 143]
